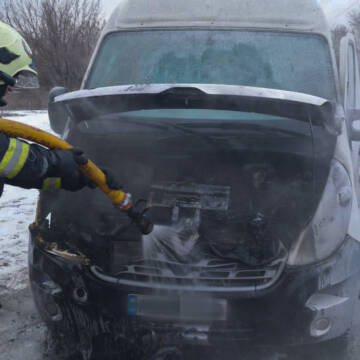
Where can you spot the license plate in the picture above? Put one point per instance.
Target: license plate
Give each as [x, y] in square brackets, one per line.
[177, 308]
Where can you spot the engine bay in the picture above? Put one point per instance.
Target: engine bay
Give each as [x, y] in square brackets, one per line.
[236, 196]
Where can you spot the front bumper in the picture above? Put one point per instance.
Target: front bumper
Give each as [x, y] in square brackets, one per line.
[306, 305]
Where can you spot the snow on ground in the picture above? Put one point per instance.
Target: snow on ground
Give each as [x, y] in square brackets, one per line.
[17, 211]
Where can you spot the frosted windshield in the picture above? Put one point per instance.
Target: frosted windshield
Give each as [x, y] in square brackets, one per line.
[285, 61]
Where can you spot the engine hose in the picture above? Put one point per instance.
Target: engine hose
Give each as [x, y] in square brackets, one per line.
[119, 198]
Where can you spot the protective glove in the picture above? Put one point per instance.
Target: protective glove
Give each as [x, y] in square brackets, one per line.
[67, 168]
[111, 180]
[76, 182]
[65, 165]
[66, 162]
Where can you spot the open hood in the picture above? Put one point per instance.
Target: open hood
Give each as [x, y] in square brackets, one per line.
[87, 104]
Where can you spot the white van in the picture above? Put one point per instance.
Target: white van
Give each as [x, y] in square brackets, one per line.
[231, 119]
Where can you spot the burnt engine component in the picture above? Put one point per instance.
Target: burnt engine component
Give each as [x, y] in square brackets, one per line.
[189, 211]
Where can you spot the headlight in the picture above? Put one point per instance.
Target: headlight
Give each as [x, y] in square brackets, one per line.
[329, 226]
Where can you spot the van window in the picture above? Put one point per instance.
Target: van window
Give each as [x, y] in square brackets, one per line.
[285, 61]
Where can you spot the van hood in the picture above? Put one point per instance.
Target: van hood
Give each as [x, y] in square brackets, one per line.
[87, 104]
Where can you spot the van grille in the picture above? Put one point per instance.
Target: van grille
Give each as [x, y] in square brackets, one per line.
[214, 274]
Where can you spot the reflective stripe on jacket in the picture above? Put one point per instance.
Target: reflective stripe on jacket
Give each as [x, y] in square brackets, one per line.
[14, 158]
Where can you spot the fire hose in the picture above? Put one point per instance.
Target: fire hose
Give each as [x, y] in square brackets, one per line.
[119, 198]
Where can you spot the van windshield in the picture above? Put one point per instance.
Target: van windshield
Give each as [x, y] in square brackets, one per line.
[277, 60]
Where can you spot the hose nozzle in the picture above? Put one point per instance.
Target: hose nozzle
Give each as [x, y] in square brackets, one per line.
[137, 216]
[141, 220]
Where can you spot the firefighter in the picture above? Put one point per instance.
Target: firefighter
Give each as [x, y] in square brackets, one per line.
[22, 164]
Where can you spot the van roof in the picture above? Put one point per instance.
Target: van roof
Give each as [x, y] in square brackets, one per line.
[291, 15]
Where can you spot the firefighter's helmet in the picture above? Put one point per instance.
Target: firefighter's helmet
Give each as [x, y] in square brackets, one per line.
[16, 64]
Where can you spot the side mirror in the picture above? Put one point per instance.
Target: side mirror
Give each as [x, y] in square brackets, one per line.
[58, 116]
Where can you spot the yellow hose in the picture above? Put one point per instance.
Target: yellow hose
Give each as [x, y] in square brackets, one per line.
[27, 132]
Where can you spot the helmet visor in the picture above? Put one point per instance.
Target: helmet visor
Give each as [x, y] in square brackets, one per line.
[26, 80]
